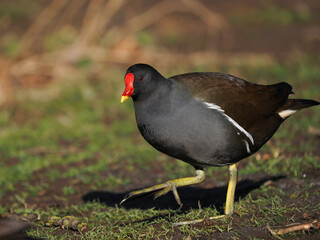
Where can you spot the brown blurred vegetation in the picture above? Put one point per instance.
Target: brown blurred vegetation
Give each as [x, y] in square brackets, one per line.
[44, 41]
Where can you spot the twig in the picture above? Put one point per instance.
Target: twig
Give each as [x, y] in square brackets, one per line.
[209, 17]
[315, 224]
[96, 19]
[43, 19]
[212, 20]
[314, 131]
[163, 8]
[143, 20]
[71, 11]
[91, 11]
[6, 88]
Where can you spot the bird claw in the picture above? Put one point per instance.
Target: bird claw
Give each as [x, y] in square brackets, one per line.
[126, 197]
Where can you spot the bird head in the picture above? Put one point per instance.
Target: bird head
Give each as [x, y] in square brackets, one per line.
[140, 79]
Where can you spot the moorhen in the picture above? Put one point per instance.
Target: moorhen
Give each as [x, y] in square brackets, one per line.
[206, 119]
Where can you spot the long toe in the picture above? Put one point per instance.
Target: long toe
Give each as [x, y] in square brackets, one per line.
[164, 188]
[171, 186]
[162, 192]
[144, 191]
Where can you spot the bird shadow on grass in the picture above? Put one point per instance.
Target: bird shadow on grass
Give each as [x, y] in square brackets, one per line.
[191, 197]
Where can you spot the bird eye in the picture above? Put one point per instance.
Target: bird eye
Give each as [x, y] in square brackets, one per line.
[140, 79]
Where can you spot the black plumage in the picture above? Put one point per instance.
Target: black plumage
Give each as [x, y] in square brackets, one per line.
[206, 119]
[195, 117]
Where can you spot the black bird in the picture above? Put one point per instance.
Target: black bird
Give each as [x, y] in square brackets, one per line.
[206, 119]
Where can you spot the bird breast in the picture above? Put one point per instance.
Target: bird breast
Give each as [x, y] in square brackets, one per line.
[194, 133]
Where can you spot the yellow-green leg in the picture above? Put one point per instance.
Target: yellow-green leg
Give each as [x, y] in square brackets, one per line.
[233, 174]
[172, 185]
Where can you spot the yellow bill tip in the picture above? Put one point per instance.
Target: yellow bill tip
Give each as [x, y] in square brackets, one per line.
[123, 98]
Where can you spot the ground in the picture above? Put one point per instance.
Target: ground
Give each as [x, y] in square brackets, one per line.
[69, 148]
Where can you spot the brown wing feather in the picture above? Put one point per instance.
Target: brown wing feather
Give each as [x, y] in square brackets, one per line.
[247, 103]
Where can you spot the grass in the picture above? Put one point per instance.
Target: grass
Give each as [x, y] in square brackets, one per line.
[82, 140]
[118, 223]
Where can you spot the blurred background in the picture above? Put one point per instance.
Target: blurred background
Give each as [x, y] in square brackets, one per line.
[43, 41]
[63, 132]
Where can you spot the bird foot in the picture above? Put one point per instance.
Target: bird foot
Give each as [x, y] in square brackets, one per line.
[172, 185]
[160, 190]
[229, 208]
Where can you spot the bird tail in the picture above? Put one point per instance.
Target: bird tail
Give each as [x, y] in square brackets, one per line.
[294, 105]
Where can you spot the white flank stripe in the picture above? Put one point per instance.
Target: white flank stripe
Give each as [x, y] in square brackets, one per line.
[213, 106]
[216, 107]
[247, 146]
[286, 113]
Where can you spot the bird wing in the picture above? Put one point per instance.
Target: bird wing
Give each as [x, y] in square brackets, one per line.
[246, 103]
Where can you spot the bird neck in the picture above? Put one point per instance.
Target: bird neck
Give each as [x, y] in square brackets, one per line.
[155, 91]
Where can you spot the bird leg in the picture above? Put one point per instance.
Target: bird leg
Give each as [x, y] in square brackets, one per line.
[164, 188]
[233, 174]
